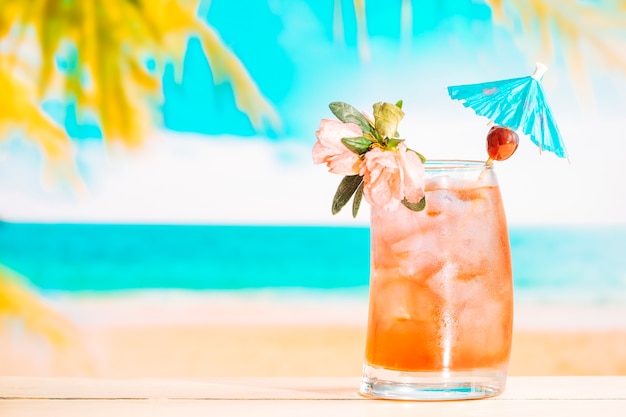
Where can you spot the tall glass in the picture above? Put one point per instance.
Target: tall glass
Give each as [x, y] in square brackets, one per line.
[441, 293]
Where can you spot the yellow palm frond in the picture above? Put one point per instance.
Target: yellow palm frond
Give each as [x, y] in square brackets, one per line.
[361, 28]
[173, 19]
[104, 48]
[20, 113]
[362, 38]
[247, 95]
[571, 28]
[18, 301]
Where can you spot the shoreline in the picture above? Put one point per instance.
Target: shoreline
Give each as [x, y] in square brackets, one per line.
[303, 306]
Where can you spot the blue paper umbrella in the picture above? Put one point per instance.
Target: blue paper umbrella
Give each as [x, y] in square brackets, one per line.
[517, 103]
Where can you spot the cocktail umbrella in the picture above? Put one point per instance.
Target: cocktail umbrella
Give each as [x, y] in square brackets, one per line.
[517, 103]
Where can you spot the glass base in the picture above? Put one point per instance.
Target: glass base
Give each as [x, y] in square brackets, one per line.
[432, 386]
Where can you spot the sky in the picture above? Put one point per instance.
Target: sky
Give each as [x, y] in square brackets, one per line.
[205, 163]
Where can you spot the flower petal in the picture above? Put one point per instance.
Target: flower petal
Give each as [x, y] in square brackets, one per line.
[330, 150]
[392, 175]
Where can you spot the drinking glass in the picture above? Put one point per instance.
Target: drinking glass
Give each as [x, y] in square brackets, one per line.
[441, 293]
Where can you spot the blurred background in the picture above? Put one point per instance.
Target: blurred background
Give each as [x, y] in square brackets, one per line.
[156, 173]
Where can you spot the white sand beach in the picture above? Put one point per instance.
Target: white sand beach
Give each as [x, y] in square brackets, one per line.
[195, 334]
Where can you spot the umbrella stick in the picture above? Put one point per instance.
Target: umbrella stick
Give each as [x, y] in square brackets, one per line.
[484, 171]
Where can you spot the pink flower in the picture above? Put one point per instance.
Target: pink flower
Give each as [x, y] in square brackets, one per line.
[330, 150]
[391, 176]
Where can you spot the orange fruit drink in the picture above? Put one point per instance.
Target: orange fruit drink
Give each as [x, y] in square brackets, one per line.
[441, 293]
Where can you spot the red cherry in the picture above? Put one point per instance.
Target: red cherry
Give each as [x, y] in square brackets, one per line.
[501, 143]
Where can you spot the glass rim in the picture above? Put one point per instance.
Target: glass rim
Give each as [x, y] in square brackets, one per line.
[455, 164]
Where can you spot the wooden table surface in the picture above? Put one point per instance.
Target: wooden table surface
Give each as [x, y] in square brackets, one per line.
[525, 396]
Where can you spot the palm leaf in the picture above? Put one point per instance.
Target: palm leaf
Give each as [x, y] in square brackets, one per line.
[361, 25]
[18, 301]
[104, 47]
[574, 29]
[20, 113]
[362, 38]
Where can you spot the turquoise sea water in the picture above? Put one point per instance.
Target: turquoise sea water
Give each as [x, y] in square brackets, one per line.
[547, 261]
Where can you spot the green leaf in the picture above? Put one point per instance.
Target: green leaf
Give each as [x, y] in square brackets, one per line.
[393, 143]
[347, 187]
[399, 103]
[422, 157]
[419, 206]
[358, 145]
[348, 114]
[356, 202]
[387, 117]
